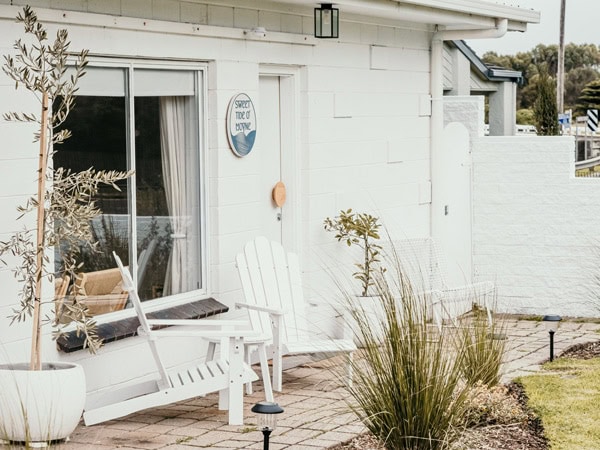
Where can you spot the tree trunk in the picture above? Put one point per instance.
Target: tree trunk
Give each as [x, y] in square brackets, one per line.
[36, 342]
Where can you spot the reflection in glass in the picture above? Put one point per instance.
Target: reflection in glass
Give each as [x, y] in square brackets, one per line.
[166, 217]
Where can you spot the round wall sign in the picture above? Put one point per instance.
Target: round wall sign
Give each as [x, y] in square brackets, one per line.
[241, 124]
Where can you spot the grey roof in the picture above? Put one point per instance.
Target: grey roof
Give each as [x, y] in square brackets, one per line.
[489, 72]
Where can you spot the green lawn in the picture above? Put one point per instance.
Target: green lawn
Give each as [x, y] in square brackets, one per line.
[567, 398]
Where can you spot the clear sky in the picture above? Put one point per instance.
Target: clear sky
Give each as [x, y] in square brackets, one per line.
[582, 25]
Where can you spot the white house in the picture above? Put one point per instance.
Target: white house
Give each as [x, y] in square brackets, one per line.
[466, 74]
[351, 122]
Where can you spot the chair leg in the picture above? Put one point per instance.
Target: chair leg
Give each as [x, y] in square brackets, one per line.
[277, 371]
[233, 396]
[438, 315]
[249, 350]
[264, 369]
[277, 355]
[489, 315]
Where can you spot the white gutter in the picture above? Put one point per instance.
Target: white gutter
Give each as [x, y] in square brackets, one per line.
[469, 18]
[487, 33]
[477, 7]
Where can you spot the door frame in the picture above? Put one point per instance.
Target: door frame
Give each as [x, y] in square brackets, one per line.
[289, 94]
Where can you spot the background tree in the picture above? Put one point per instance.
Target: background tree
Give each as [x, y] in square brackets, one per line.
[525, 117]
[575, 81]
[582, 55]
[589, 98]
[582, 65]
[544, 108]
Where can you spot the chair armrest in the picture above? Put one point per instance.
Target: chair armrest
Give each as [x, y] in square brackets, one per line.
[475, 291]
[481, 287]
[199, 323]
[273, 311]
[434, 295]
[171, 332]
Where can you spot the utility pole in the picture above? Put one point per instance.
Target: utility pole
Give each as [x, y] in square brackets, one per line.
[560, 76]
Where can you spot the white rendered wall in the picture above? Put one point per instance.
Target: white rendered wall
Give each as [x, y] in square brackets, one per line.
[363, 142]
[535, 226]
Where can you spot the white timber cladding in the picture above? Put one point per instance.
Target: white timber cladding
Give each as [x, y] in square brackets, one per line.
[362, 137]
[482, 86]
[448, 67]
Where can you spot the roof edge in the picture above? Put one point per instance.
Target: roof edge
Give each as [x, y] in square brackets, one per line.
[490, 73]
[478, 7]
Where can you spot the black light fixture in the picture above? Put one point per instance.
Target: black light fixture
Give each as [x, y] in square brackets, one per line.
[327, 21]
[266, 419]
[551, 322]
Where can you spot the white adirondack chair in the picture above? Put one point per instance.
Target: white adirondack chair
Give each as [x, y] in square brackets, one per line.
[424, 266]
[273, 291]
[227, 376]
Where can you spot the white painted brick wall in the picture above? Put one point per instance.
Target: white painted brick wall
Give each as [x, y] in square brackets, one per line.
[535, 225]
[467, 110]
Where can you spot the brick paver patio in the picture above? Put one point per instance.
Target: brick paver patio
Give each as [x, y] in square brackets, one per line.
[315, 417]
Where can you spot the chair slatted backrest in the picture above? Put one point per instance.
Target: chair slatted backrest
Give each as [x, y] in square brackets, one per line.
[247, 265]
[129, 286]
[270, 277]
[420, 260]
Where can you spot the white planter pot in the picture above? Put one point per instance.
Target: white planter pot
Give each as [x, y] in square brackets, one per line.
[43, 405]
[371, 309]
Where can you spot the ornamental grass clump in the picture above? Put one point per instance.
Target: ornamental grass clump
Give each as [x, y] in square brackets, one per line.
[407, 387]
[481, 346]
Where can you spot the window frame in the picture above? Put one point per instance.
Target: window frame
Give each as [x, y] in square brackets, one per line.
[200, 69]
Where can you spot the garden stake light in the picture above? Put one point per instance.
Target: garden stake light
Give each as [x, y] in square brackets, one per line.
[266, 419]
[551, 323]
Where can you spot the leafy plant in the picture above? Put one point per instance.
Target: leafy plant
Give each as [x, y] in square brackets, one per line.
[362, 230]
[63, 210]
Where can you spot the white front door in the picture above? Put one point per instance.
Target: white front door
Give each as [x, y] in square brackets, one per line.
[277, 142]
[269, 147]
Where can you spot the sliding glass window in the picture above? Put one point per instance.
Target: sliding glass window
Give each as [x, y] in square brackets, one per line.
[146, 120]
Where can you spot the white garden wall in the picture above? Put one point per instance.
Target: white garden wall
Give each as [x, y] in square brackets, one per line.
[535, 226]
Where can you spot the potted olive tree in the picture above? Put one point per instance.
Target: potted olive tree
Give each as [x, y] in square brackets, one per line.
[43, 401]
[362, 230]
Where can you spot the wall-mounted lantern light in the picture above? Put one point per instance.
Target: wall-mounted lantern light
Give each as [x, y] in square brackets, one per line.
[327, 21]
[266, 418]
[551, 322]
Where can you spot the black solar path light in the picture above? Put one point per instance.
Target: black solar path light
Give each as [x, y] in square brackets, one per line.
[266, 419]
[551, 322]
